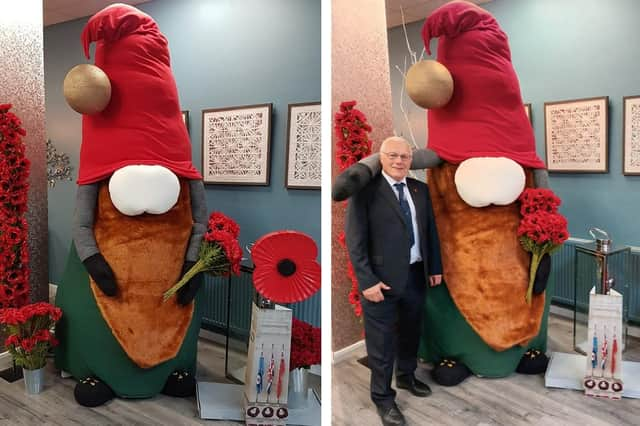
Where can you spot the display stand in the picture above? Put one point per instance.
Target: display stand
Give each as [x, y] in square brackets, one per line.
[267, 374]
[270, 328]
[566, 371]
[221, 401]
[603, 367]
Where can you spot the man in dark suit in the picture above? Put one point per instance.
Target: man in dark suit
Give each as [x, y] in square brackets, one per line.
[393, 245]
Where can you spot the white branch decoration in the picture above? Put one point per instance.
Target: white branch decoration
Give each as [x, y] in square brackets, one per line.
[402, 98]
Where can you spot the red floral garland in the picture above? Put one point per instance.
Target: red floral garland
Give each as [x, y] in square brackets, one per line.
[352, 132]
[14, 174]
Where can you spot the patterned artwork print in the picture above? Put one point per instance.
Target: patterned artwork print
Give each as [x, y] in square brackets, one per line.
[632, 136]
[236, 146]
[304, 148]
[576, 136]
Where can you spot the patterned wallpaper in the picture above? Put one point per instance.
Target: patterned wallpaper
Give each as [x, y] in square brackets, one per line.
[22, 85]
[360, 72]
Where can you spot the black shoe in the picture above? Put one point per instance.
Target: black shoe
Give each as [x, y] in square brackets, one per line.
[413, 385]
[180, 384]
[92, 392]
[448, 372]
[533, 362]
[391, 416]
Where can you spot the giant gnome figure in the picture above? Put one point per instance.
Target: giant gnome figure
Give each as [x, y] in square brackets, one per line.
[139, 221]
[480, 156]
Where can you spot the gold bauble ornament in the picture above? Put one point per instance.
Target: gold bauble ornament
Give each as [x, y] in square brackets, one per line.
[87, 89]
[429, 84]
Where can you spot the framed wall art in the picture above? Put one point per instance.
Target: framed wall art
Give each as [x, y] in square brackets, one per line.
[185, 119]
[236, 145]
[576, 135]
[527, 110]
[303, 146]
[631, 136]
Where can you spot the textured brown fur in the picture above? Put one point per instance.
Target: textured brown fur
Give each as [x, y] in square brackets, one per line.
[485, 268]
[146, 253]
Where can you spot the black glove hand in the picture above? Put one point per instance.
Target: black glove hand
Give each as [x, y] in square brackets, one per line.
[102, 274]
[350, 181]
[188, 292]
[542, 275]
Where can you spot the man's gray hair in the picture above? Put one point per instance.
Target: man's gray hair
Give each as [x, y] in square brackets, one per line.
[395, 139]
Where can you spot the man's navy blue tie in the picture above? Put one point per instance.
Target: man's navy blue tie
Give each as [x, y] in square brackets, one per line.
[406, 211]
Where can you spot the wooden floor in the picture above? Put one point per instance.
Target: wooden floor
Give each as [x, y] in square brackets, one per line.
[56, 405]
[515, 400]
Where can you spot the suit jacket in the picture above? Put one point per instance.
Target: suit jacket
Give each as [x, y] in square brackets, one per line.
[378, 239]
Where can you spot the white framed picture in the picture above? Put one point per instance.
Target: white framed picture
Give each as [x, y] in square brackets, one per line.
[576, 135]
[236, 145]
[303, 169]
[631, 136]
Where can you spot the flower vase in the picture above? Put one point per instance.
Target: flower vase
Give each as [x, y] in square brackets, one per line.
[298, 388]
[33, 380]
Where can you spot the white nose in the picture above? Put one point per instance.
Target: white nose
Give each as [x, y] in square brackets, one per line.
[483, 181]
[142, 189]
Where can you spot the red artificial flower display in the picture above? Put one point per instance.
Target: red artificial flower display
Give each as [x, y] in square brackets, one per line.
[542, 229]
[305, 345]
[353, 144]
[220, 253]
[286, 270]
[351, 127]
[14, 185]
[29, 334]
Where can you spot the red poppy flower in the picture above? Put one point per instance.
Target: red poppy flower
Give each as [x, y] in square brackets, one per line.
[12, 340]
[286, 270]
[220, 222]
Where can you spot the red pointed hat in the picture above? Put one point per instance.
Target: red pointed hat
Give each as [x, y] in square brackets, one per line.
[485, 117]
[142, 123]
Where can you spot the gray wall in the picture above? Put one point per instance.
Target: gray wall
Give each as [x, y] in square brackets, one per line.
[567, 50]
[224, 53]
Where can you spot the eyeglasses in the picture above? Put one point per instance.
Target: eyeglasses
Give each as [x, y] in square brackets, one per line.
[395, 156]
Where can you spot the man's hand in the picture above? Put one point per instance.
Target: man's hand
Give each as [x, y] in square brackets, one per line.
[435, 280]
[374, 293]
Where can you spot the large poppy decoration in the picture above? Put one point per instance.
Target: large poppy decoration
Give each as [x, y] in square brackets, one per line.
[286, 270]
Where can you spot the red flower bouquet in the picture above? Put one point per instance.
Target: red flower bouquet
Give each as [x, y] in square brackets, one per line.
[353, 144]
[14, 185]
[542, 229]
[220, 252]
[305, 345]
[29, 333]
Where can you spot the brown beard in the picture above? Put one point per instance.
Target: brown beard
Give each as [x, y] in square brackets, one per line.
[485, 268]
[146, 254]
